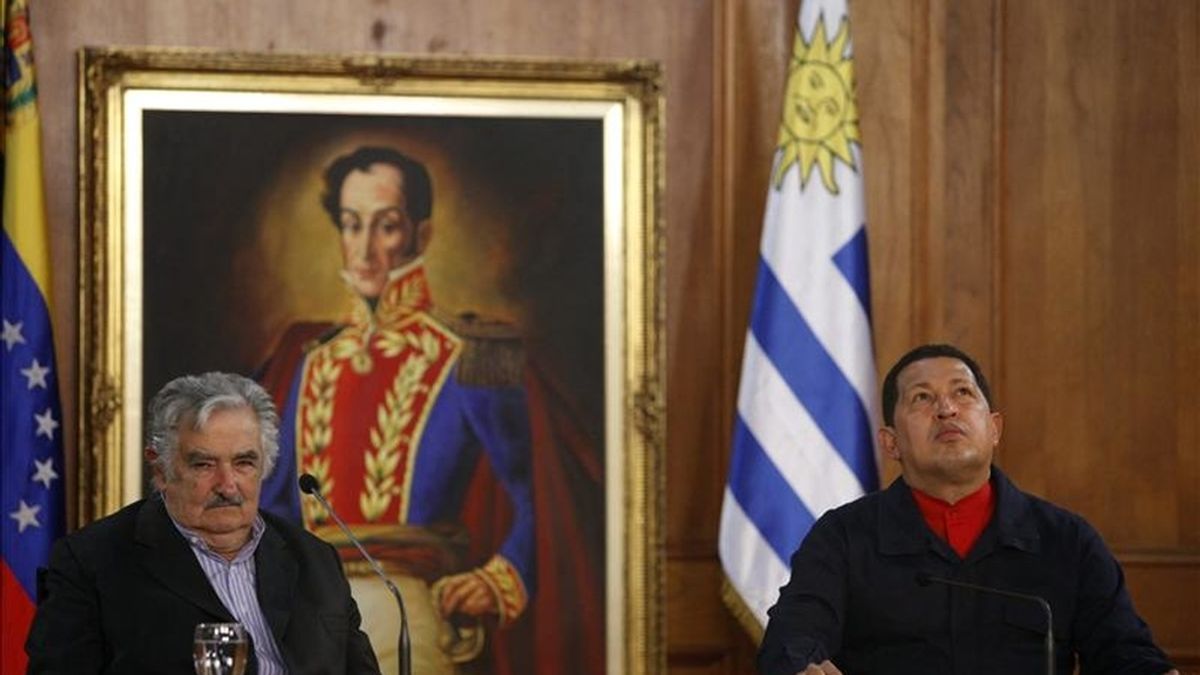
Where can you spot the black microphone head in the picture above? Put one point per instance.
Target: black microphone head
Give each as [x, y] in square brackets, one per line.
[923, 578]
[308, 484]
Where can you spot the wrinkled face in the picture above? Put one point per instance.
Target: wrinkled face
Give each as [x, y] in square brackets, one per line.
[217, 474]
[944, 433]
[377, 235]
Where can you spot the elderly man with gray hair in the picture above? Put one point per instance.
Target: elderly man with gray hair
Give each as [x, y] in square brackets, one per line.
[124, 594]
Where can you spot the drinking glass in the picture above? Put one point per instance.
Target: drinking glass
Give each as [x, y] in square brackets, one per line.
[220, 649]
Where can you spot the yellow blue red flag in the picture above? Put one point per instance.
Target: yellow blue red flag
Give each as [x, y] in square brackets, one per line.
[32, 508]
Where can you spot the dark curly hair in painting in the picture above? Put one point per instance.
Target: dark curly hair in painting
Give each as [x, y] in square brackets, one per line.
[891, 394]
[418, 191]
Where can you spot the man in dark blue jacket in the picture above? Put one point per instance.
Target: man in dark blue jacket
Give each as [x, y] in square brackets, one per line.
[854, 604]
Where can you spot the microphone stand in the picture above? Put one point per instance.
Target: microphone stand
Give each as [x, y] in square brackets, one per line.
[924, 579]
[308, 485]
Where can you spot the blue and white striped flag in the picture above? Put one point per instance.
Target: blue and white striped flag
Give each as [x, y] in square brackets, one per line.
[803, 439]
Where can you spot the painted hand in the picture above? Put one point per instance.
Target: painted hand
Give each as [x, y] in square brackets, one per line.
[467, 594]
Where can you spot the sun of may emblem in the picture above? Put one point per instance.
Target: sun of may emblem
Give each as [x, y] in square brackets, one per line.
[820, 119]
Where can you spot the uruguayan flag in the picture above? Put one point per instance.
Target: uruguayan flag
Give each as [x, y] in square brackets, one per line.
[803, 439]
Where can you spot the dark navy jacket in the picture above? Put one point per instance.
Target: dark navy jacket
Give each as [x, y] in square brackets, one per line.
[853, 596]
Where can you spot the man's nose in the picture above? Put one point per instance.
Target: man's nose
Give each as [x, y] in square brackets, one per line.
[226, 483]
[360, 246]
[946, 407]
[374, 240]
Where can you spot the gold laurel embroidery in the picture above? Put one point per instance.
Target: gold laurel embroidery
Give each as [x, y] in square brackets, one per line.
[316, 432]
[505, 582]
[393, 417]
[401, 300]
[353, 344]
[390, 343]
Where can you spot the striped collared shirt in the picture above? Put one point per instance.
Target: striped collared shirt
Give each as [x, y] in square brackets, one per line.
[234, 581]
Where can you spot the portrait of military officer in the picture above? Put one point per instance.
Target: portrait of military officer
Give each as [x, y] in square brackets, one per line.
[423, 299]
[398, 414]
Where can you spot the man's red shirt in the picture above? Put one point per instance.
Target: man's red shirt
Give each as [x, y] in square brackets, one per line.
[961, 523]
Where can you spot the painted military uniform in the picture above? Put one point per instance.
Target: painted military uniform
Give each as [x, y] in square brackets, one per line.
[392, 414]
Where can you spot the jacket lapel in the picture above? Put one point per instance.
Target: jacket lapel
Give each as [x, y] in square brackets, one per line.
[276, 572]
[1011, 525]
[168, 558]
[902, 530]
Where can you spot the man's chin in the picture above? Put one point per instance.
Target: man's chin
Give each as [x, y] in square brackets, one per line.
[226, 519]
[965, 467]
[368, 288]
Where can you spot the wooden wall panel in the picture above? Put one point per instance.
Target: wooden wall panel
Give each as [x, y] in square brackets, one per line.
[1100, 335]
[1161, 585]
[892, 100]
[1050, 153]
[1032, 177]
[1186, 309]
[693, 356]
[954, 258]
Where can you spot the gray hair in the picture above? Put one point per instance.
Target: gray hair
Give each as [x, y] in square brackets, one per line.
[193, 399]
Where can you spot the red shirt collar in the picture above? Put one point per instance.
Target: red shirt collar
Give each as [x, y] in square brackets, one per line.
[961, 523]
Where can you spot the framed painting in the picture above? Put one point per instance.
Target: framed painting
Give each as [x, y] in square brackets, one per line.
[447, 273]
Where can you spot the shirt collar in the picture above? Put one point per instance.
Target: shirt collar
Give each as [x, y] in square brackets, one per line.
[958, 524]
[972, 504]
[903, 530]
[405, 292]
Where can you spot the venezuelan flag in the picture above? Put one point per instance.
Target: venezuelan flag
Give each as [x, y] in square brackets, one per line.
[32, 507]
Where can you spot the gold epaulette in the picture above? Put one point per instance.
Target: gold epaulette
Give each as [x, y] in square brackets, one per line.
[493, 355]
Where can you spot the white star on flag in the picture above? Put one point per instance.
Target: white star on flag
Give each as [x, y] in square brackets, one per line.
[46, 424]
[12, 334]
[25, 515]
[45, 473]
[36, 375]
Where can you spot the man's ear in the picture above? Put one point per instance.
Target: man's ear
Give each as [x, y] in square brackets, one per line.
[998, 427]
[156, 474]
[887, 442]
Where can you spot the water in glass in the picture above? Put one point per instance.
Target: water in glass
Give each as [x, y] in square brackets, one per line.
[220, 649]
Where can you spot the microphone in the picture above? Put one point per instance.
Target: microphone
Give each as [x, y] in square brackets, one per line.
[308, 485]
[924, 579]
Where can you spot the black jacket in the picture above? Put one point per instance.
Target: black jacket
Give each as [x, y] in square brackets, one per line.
[124, 595]
[853, 596]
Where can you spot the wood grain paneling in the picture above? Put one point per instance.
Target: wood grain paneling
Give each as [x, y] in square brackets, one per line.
[1100, 337]
[1032, 174]
[890, 67]
[956, 257]
[1164, 579]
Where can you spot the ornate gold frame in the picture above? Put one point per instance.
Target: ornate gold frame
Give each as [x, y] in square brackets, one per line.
[625, 95]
